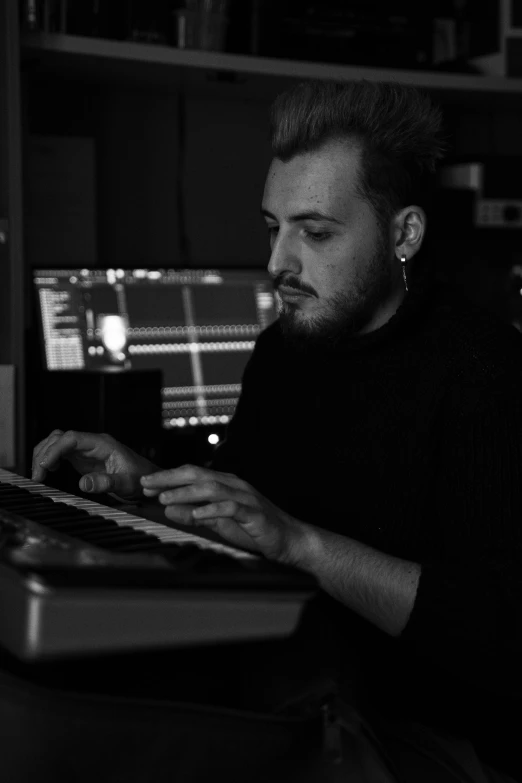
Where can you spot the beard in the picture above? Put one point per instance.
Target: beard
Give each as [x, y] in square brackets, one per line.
[346, 313]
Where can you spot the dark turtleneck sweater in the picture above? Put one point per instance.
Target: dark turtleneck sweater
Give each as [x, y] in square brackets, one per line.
[409, 439]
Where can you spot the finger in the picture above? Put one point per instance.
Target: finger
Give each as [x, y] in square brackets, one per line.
[225, 508]
[42, 445]
[186, 475]
[245, 517]
[119, 483]
[175, 477]
[38, 472]
[203, 492]
[180, 514]
[70, 441]
[150, 493]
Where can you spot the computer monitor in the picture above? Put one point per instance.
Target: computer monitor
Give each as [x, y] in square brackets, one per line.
[198, 326]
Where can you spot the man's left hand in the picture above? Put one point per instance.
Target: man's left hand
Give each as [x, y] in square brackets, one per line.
[232, 508]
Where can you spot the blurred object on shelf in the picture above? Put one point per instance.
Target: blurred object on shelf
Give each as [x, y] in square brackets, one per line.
[84, 17]
[149, 21]
[363, 32]
[90, 18]
[144, 20]
[243, 29]
[43, 15]
[464, 29]
[29, 16]
[441, 34]
[504, 58]
[202, 24]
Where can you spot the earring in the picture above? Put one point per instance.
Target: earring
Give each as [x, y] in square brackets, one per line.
[403, 264]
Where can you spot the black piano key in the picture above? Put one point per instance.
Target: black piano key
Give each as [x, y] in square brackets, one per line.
[107, 534]
[137, 537]
[105, 527]
[117, 541]
[90, 526]
[21, 506]
[77, 527]
[114, 543]
[149, 543]
[100, 530]
[65, 524]
[61, 510]
[50, 511]
[28, 497]
[8, 498]
[61, 515]
[83, 525]
[50, 514]
[119, 544]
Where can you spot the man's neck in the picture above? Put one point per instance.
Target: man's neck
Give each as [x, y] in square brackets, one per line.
[385, 312]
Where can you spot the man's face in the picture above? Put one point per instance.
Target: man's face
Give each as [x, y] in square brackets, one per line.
[331, 264]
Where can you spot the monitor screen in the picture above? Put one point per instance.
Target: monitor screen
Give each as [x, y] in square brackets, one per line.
[198, 326]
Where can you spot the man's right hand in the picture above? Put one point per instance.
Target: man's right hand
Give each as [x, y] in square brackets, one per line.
[105, 464]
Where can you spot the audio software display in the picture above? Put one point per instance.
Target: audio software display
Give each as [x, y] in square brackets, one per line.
[198, 326]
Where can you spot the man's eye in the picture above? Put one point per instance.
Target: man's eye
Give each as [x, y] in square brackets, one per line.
[317, 236]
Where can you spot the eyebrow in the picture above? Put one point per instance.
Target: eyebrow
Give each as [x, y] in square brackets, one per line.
[308, 215]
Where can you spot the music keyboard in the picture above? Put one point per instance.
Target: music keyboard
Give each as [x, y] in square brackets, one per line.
[79, 577]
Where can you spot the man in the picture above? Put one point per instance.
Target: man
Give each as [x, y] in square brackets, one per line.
[377, 443]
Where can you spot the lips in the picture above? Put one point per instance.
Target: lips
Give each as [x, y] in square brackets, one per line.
[290, 292]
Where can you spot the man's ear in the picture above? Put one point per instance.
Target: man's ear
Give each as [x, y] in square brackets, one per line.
[409, 227]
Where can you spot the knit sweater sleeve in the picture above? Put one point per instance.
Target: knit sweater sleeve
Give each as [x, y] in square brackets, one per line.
[467, 612]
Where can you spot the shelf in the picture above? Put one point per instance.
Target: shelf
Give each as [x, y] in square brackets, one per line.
[91, 57]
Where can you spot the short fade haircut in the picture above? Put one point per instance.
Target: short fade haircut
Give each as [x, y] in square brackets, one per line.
[396, 126]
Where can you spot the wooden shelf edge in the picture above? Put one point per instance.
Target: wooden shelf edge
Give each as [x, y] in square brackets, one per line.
[126, 51]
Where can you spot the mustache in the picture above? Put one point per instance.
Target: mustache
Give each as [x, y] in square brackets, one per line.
[292, 282]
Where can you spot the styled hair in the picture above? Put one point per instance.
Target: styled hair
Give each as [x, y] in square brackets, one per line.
[396, 127]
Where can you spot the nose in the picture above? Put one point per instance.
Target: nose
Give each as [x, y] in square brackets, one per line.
[284, 256]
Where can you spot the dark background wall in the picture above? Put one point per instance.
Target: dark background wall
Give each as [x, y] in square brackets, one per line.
[176, 178]
[149, 191]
